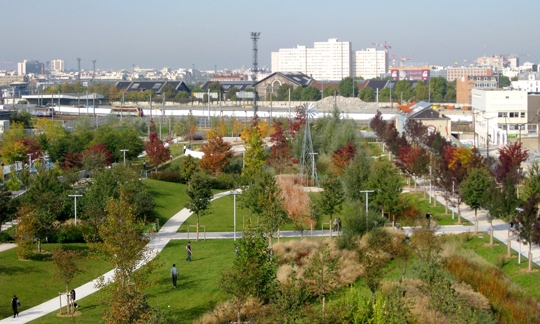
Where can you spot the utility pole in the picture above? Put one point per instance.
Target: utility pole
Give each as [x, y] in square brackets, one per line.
[367, 203]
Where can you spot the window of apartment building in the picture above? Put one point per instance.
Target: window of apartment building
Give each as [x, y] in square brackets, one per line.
[503, 114]
[514, 115]
[522, 114]
[503, 127]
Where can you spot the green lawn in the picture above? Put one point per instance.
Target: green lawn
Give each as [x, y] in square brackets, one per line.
[438, 211]
[528, 281]
[170, 198]
[32, 281]
[197, 291]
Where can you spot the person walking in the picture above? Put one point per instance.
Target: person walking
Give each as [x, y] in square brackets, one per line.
[335, 224]
[15, 304]
[184, 149]
[174, 275]
[188, 249]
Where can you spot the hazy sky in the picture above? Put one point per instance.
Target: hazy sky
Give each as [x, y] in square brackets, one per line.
[178, 33]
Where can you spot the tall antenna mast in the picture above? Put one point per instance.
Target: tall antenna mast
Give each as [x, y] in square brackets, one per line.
[255, 38]
[79, 61]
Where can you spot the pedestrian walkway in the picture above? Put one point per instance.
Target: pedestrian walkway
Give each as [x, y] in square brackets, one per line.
[501, 230]
[169, 232]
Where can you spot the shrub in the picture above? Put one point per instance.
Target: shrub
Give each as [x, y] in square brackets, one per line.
[168, 175]
[223, 181]
[8, 235]
[70, 234]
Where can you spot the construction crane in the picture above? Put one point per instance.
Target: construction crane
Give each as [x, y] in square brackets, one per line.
[403, 59]
[385, 46]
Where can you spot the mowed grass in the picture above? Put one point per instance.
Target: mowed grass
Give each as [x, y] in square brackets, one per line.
[518, 273]
[170, 198]
[438, 211]
[197, 289]
[32, 281]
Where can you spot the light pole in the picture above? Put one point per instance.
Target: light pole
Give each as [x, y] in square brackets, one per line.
[367, 203]
[75, 197]
[124, 151]
[246, 115]
[519, 210]
[29, 160]
[430, 184]
[234, 193]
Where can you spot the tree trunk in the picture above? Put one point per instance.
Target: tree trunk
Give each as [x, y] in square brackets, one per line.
[323, 305]
[491, 232]
[530, 257]
[475, 221]
[458, 212]
[197, 239]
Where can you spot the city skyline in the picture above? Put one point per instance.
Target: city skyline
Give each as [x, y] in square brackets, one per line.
[213, 34]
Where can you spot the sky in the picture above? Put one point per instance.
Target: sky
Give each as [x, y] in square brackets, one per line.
[215, 33]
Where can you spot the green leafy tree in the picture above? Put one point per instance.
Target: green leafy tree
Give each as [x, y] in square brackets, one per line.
[403, 90]
[199, 193]
[437, 88]
[67, 266]
[253, 272]
[348, 87]
[168, 90]
[367, 94]
[356, 177]
[188, 166]
[23, 117]
[231, 94]
[322, 274]
[388, 185]
[296, 94]
[332, 197]
[283, 91]
[26, 231]
[266, 202]
[216, 87]
[329, 92]
[473, 190]
[124, 247]
[504, 81]
[254, 156]
[528, 224]
[421, 91]
[311, 93]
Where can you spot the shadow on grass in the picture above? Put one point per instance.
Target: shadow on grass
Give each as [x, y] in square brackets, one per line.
[9, 271]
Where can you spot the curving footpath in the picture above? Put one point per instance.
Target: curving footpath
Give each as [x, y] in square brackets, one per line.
[169, 232]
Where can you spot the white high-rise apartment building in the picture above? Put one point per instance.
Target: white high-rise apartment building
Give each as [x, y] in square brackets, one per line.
[325, 61]
[57, 65]
[332, 60]
[369, 63]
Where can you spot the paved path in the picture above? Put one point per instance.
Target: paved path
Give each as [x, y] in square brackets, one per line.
[169, 232]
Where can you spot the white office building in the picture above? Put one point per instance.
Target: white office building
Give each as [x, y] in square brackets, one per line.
[369, 63]
[531, 84]
[499, 114]
[325, 61]
[332, 60]
[57, 65]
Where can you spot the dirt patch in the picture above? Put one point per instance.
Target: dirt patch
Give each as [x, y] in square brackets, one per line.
[76, 313]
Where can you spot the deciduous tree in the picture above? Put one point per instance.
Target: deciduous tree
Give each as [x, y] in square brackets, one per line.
[473, 190]
[341, 158]
[155, 148]
[217, 154]
[280, 156]
[124, 247]
[200, 195]
[67, 266]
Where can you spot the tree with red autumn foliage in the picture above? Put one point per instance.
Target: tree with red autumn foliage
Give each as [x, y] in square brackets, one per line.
[280, 157]
[298, 121]
[509, 164]
[414, 159]
[342, 157]
[96, 156]
[217, 154]
[378, 125]
[72, 160]
[155, 148]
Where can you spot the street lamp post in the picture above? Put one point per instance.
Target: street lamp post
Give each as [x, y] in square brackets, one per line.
[367, 203]
[234, 193]
[430, 192]
[519, 210]
[29, 160]
[75, 197]
[124, 151]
